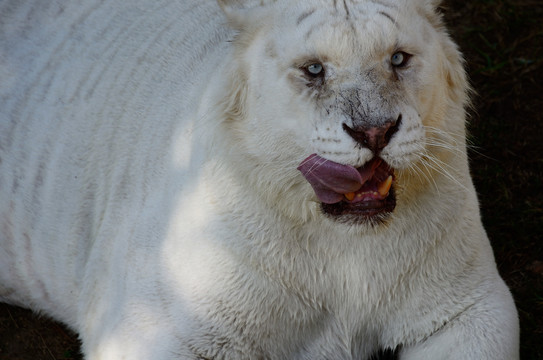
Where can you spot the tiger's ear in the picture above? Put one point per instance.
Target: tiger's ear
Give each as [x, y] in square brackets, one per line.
[432, 4]
[241, 12]
[432, 8]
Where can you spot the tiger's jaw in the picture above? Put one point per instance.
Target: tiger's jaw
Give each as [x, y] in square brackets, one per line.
[352, 194]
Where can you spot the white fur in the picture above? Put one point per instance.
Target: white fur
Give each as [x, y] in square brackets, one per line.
[149, 196]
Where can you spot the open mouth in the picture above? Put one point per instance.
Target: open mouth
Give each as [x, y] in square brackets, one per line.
[366, 192]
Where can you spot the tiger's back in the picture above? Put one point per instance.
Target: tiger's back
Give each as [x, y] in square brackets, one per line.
[76, 75]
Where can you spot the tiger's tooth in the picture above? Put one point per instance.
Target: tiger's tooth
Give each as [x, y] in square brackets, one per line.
[350, 196]
[384, 187]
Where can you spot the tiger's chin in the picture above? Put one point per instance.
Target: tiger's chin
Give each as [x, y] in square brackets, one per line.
[370, 211]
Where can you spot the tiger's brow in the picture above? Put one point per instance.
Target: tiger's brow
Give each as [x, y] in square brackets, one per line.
[304, 16]
[386, 4]
[388, 16]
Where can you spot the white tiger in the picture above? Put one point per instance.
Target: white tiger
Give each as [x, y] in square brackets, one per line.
[270, 180]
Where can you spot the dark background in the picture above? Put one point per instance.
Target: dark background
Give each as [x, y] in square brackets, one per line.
[503, 45]
[502, 41]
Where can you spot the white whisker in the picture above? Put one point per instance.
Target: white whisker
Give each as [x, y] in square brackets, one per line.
[441, 167]
[427, 177]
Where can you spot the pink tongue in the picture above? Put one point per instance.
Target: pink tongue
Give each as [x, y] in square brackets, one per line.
[331, 180]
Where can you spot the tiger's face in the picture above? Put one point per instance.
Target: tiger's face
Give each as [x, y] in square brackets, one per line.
[366, 97]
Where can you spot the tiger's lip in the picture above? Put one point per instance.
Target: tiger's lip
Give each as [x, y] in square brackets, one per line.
[344, 189]
[334, 182]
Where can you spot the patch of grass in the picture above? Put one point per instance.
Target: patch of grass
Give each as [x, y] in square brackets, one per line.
[26, 336]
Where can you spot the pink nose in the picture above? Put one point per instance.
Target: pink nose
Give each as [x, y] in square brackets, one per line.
[374, 138]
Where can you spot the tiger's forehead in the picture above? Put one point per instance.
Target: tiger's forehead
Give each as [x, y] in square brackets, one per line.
[344, 27]
[353, 11]
[357, 17]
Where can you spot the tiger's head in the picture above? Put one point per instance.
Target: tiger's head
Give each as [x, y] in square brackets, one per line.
[346, 108]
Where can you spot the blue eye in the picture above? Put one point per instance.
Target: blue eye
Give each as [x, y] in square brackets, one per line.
[399, 59]
[315, 69]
